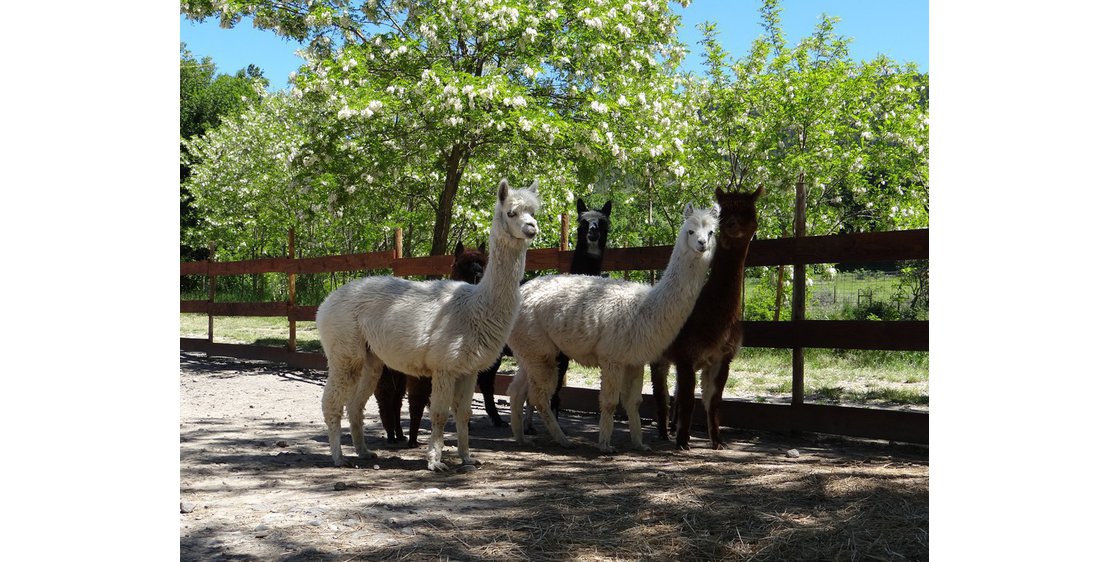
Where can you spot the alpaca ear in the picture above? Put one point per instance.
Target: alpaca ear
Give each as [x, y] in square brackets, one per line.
[718, 193]
[503, 190]
[758, 192]
[535, 187]
[581, 206]
[482, 247]
[687, 211]
[607, 208]
[715, 210]
[458, 249]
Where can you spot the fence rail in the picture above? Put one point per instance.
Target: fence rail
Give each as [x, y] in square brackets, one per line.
[796, 334]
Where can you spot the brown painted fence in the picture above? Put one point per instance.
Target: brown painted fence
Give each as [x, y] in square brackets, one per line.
[875, 423]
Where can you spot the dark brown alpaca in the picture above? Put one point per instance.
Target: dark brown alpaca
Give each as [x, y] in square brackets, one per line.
[713, 332]
[469, 265]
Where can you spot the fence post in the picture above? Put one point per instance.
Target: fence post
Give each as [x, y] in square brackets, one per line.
[798, 308]
[564, 234]
[398, 243]
[211, 287]
[292, 295]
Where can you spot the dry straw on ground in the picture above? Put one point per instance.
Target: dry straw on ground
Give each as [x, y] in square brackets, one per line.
[257, 474]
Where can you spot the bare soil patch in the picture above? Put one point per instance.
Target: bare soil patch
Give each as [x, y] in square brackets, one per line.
[257, 483]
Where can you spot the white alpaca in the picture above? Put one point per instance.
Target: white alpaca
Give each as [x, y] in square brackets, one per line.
[615, 324]
[446, 330]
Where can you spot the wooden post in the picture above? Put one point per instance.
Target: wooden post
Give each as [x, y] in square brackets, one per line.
[211, 287]
[798, 310]
[398, 241]
[564, 234]
[292, 295]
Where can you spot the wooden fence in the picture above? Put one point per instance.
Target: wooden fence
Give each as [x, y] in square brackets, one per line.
[796, 334]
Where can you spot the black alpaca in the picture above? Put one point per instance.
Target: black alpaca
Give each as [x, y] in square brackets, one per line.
[589, 248]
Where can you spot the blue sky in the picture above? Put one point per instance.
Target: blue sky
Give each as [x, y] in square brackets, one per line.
[896, 28]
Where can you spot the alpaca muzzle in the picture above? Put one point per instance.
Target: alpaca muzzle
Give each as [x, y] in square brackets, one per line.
[529, 230]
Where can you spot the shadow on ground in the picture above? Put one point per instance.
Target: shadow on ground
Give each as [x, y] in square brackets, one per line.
[265, 489]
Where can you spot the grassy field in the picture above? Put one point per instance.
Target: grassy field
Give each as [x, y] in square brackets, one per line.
[843, 377]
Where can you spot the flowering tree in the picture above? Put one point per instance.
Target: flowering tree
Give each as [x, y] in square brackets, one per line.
[846, 141]
[415, 99]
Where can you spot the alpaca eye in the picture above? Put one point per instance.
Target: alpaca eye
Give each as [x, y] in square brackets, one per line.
[690, 233]
[511, 214]
[711, 234]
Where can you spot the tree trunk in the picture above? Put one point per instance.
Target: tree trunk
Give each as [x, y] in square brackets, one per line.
[454, 167]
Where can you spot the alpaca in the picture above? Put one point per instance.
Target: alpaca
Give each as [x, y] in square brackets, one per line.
[589, 249]
[713, 332]
[445, 330]
[612, 323]
[468, 266]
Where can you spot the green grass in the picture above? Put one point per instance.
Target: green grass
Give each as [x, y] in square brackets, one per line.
[252, 330]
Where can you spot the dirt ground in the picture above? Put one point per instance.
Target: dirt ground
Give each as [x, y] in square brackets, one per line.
[257, 483]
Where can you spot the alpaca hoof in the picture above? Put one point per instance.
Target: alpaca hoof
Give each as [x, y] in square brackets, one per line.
[607, 449]
[497, 422]
[436, 466]
[343, 463]
[718, 446]
[643, 447]
[566, 444]
[683, 446]
[529, 431]
[471, 462]
[367, 455]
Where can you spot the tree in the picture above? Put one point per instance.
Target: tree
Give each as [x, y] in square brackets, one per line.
[840, 139]
[205, 98]
[416, 93]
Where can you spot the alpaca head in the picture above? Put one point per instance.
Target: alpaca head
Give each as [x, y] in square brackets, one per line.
[738, 216]
[593, 226]
[697, 229]
[469, 265]
[515, 210]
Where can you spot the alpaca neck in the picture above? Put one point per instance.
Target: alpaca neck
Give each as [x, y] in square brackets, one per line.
[671, 299]
[587, 258]
[721, 296]
[500, 285]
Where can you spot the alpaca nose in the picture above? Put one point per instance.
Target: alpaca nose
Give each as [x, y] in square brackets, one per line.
[530, 229]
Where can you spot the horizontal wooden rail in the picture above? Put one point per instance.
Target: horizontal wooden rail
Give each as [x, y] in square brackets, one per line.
[325, 264]
[906, 335]
[862, 247]
[853, 248]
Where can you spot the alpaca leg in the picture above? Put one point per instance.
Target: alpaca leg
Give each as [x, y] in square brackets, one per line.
[485, 383]
[529, 428]
[541, 383]
[332, 405]
[397, 399]
[684, 403]
[420, 392]
[367, 382]
[443, 392]
[612, 377]
[518, 393]
[564, 363]
[713, 381]
[631, 397]
[659, 390]
[464, 396]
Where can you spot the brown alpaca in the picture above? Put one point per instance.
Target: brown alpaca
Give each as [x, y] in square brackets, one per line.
[469, 265]
[712, 334]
